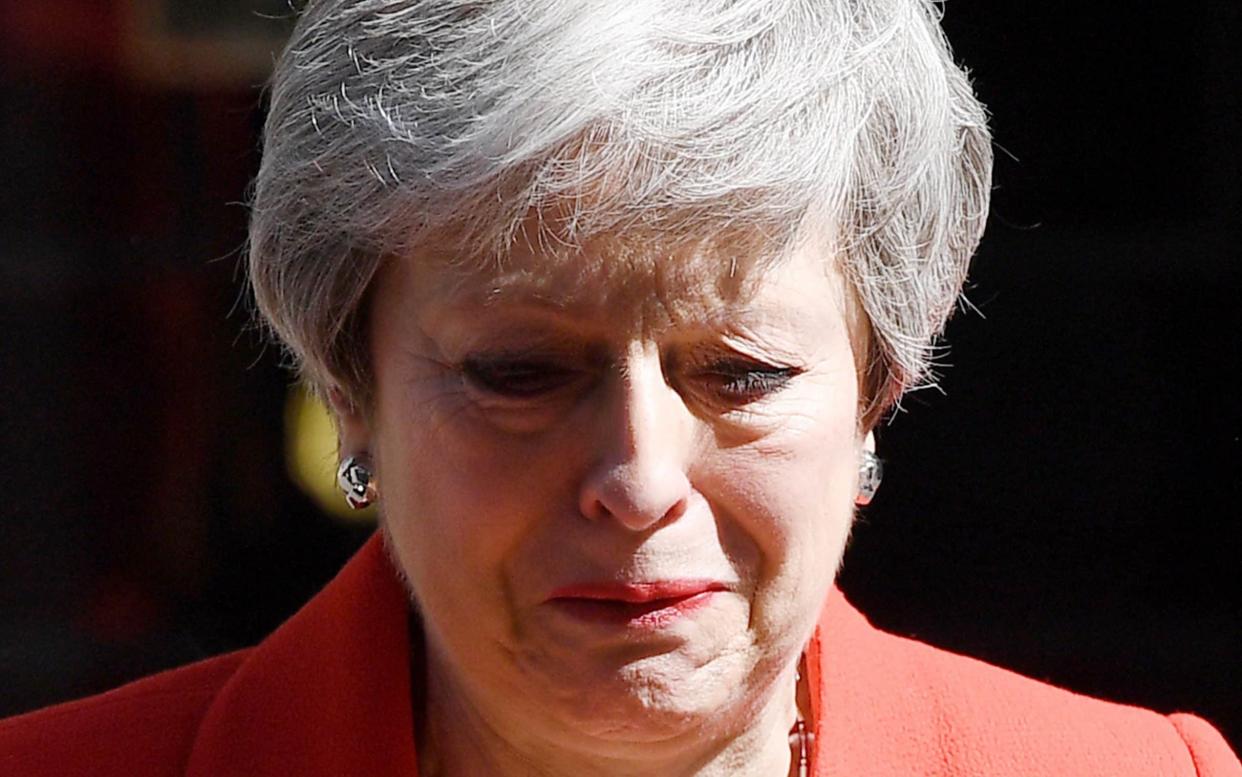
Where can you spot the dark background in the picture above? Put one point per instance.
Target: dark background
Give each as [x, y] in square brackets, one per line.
[1061, 507]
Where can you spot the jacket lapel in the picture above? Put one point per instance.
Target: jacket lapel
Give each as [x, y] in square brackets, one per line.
[872, 718]
[328, 693]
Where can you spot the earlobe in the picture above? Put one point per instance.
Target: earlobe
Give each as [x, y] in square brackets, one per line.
[352, 425]
[870, 472]
[356, 474]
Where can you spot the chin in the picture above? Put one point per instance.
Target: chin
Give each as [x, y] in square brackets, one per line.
[650, 699]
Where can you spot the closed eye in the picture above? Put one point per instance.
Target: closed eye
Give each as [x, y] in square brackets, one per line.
[743, 382]
[518, 378]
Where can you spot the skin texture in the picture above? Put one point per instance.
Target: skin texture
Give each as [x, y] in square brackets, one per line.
[612, 415]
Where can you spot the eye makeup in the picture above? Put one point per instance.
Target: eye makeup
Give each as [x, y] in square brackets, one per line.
[742, 381]
[518, 376]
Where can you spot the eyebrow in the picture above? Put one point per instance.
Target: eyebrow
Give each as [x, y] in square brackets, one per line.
[519, 309]
[518, 295]
[559, 302]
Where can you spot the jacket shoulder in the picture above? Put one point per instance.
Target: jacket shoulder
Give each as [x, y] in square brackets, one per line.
[142, 729]
[990, 720]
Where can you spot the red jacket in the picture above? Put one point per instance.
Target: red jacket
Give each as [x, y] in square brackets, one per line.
[328, 694]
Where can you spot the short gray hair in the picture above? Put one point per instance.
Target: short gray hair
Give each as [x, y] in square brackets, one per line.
[395, 120]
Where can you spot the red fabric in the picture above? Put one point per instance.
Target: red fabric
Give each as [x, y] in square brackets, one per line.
[328, 695]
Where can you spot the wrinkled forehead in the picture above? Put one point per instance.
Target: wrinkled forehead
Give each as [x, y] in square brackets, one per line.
[647, 280]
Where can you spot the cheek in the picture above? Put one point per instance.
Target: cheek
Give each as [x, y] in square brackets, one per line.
[457, 503]
[790, 497]
[795, 508]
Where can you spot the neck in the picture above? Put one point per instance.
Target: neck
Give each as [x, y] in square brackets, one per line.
[465, 736]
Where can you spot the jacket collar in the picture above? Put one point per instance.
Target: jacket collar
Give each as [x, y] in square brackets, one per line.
[873, 715]
[328, 693]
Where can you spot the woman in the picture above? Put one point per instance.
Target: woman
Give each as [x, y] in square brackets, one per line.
[607, 300]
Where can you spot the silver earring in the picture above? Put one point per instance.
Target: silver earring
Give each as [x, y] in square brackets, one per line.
[357, 481]
[870, 473]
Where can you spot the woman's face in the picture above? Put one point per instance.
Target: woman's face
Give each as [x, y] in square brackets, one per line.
[619, 485]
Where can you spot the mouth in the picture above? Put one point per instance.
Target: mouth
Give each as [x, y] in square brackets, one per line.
[640, 606]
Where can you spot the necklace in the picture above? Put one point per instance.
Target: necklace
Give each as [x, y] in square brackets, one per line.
[799, 737]
[799, 762]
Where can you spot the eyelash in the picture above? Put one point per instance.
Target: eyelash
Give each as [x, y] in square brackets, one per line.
[744, 382]
[731, 382]
[517, 378]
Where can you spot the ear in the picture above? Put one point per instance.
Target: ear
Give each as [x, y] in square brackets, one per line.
[352, 426]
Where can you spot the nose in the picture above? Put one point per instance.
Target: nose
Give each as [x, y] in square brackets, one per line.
[641, 441]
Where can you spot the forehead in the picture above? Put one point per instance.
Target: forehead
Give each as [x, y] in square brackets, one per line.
[633, 283]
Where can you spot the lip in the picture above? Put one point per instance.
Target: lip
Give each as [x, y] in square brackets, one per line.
[643, 606]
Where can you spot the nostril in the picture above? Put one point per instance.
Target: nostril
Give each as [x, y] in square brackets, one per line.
[636, 500]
